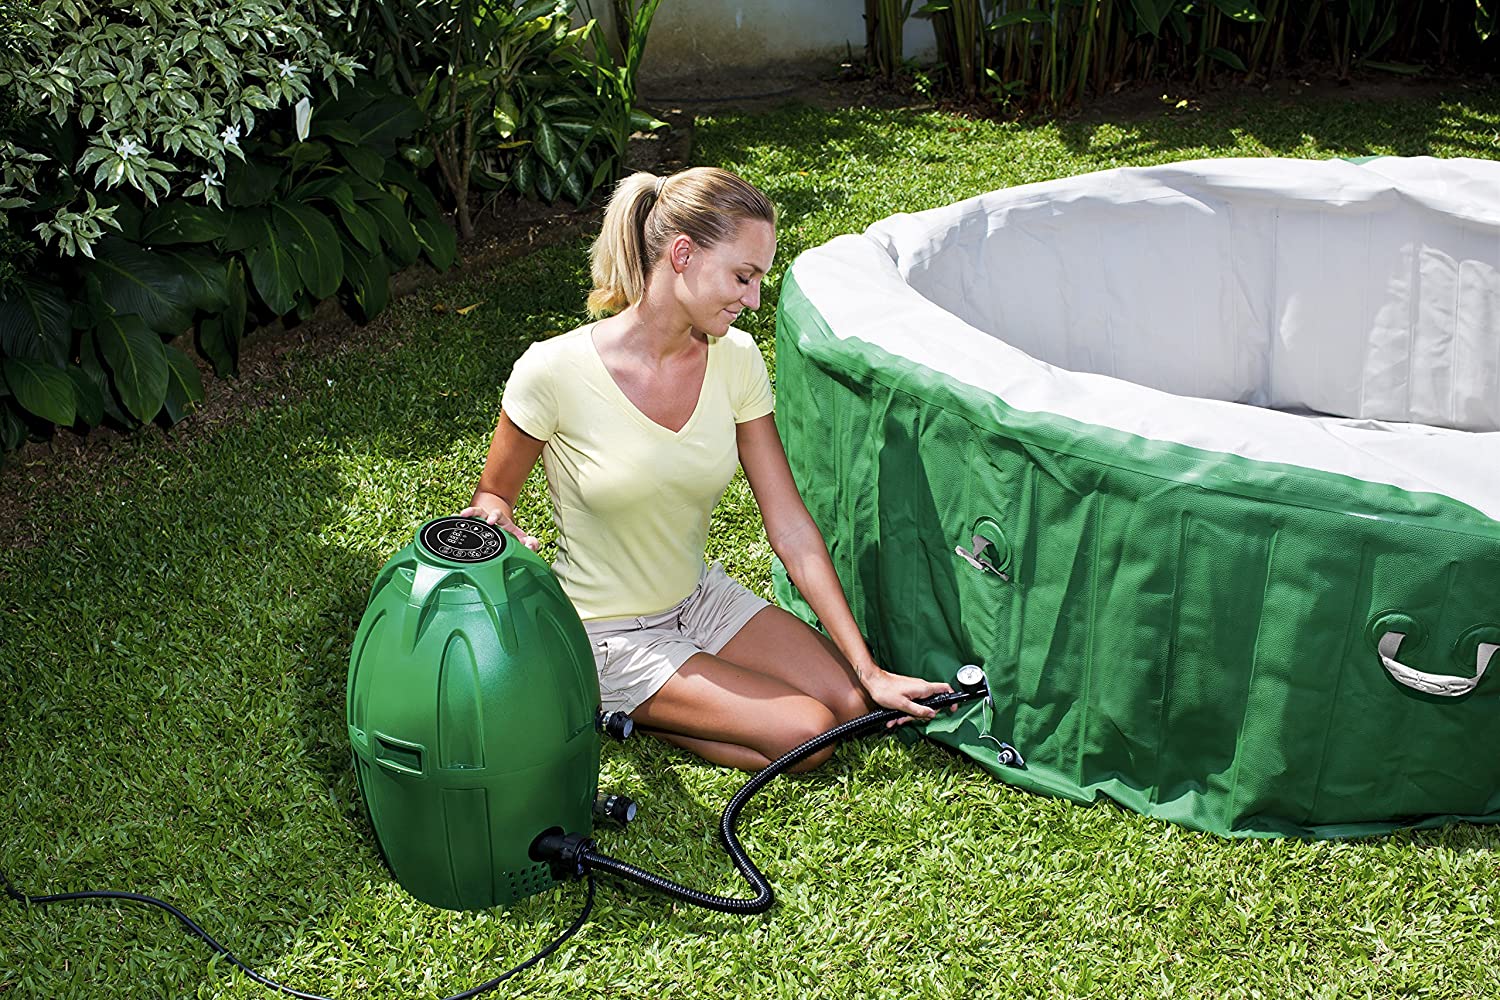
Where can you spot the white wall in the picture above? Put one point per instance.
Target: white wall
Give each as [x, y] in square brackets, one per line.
[692, 38]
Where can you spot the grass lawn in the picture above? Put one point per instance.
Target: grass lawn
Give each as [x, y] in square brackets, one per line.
[174, 645]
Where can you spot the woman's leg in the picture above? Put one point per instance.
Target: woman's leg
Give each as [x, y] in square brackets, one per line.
[733, 715]
[775, 685]
[781, 645]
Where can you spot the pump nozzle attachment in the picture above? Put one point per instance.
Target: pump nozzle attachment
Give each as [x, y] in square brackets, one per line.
[617, 725]
[619, 808]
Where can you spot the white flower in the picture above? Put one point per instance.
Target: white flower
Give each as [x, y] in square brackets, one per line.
[230, 136]
[287, 69]
[126, 148]
[211, 180]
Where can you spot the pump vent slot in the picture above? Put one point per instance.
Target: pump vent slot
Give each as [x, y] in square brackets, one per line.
[398, 756]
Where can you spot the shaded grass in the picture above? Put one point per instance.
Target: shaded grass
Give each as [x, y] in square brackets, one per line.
[172, 664]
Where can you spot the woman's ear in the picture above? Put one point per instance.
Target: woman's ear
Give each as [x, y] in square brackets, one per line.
[680, 251]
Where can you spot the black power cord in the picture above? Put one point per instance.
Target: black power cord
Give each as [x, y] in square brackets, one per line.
[574, 854]
[197, 931]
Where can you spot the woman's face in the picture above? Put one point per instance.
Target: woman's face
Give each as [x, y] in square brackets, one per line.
[721, 281]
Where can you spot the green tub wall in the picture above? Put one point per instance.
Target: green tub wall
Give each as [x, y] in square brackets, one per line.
[1185, 632]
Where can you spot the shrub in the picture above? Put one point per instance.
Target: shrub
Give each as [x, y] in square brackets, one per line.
[517, 98]
[1052, 53]
[153, 96]
[263, 217]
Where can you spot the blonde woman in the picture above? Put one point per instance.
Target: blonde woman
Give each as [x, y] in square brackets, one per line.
[640, 419]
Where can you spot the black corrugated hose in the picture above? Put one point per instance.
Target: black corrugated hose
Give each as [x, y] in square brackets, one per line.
[573, 854]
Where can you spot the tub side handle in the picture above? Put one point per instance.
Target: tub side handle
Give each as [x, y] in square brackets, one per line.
[1445, 685]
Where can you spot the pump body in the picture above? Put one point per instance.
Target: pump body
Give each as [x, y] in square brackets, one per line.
[471, 707]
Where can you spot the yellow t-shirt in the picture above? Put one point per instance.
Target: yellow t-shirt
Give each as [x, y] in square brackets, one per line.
[631, 498]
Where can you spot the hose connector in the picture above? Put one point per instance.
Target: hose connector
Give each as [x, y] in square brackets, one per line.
[563, 851]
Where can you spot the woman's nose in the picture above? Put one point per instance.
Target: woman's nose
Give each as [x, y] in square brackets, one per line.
[751, 298]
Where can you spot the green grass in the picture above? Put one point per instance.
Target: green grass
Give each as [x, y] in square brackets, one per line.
[172, 661]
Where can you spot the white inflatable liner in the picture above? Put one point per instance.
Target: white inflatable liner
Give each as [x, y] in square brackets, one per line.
[1322, 314]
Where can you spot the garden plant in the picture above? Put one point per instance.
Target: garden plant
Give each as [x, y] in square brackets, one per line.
[205, 168]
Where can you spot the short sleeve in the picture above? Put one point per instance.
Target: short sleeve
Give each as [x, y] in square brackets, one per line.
[529, 400]
[753, 397]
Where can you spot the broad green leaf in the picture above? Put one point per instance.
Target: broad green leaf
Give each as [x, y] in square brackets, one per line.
[1150, 14]
[1228, 58]
[137, 363]
[334, 189]
[369, 278]
[92, 364]
[640, 121]
[151, 285]
[206, 285]
[395, 228]
[391, 118]
[362, 226]
[211, 344]
[219, 336]
[1239, 10]
[247, 227]
[249, 183]
[439, 241]
[12, 429]
[183, 222]
[366, 162]
[90, 398]
[273, 271]
[339, 131]
[36, 323]
[184, 384]
[572, 183]
[549, 146]
[43, 389]
[398, 175]
[1029, 15]
[313, 244]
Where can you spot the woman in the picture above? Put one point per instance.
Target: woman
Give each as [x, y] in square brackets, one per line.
[640, 419]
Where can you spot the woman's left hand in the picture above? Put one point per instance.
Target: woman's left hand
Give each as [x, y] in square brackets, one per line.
[900, 692]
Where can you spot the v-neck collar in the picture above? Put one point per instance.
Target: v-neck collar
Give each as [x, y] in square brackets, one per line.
[636, 411]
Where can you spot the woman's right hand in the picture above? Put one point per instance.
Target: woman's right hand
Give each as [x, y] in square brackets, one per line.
[502, 520]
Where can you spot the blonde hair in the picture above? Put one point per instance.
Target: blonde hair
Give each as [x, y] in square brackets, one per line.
[646, 211]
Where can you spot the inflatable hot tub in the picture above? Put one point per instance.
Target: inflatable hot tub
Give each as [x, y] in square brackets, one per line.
[1200, 462]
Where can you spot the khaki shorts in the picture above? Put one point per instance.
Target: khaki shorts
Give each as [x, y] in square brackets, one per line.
[636, 656]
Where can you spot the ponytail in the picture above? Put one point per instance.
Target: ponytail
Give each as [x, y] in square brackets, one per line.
[620, 257]
[646, 211]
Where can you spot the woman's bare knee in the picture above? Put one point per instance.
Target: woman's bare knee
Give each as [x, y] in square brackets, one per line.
[812, 720]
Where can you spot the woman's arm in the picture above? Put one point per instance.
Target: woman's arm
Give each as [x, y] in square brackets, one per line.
[795, 538]
[512, 455]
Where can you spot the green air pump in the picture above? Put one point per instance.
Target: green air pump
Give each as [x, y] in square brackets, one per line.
[473, 711]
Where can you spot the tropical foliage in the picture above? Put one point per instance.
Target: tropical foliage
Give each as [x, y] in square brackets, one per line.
[152, 96]
[517, 98]
[1053, 53]
[297, 221]
[206, 166]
